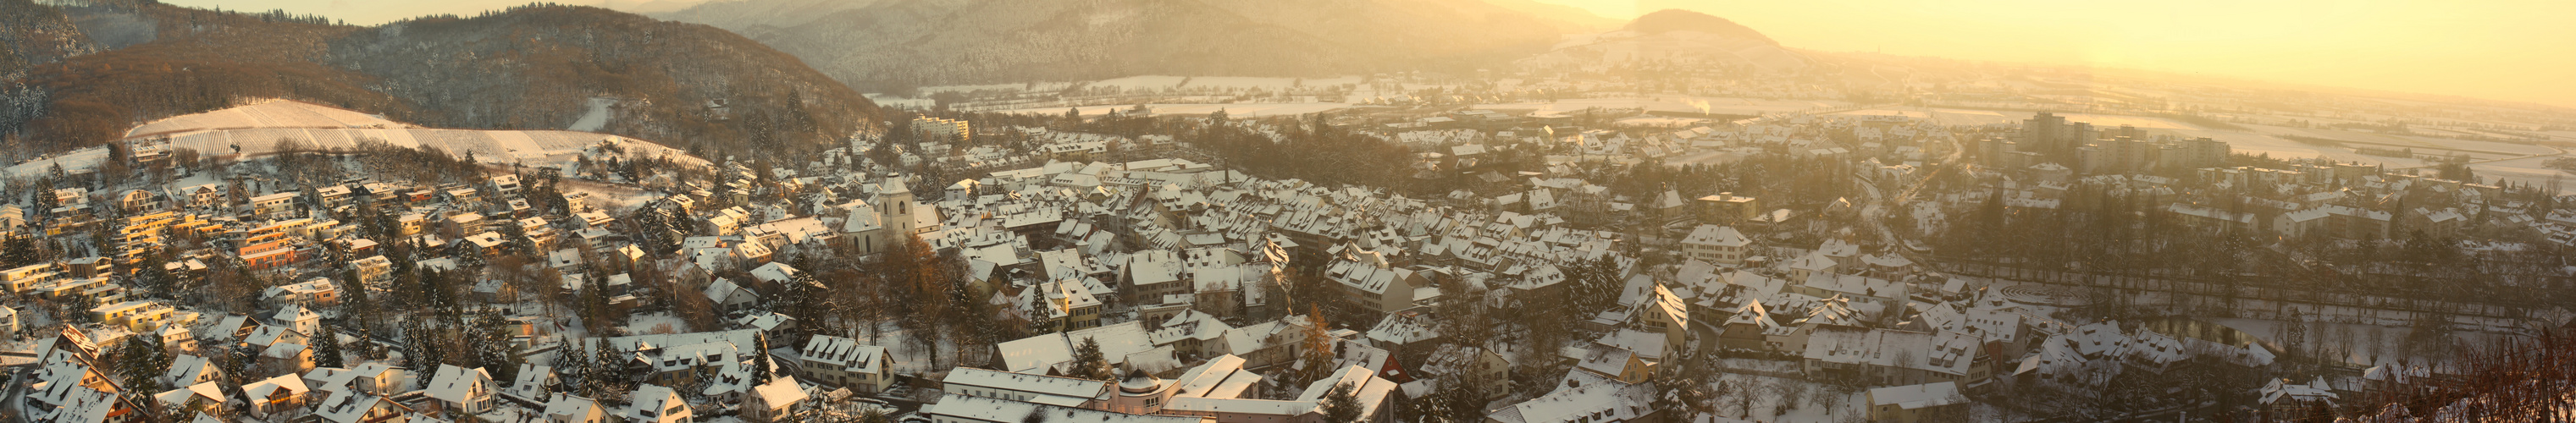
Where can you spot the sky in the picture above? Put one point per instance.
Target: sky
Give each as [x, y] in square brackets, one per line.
[2492, 49]
[2515, 50]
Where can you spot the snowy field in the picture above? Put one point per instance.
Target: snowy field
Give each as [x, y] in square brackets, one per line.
[2528, 171]
[1231, 109]
[2359, 344]
[900, 102]
[256, 130]
[1144, 83]
[267, 114]
[1682, 104]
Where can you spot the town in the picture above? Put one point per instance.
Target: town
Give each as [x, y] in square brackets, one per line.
[1001, 256]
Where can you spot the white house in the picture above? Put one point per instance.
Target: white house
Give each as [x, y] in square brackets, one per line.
[842, 361]
[466, 391]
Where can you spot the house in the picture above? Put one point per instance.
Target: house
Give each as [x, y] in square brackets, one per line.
[839, 361]
[137, 316]
[302, 320]
[773, 401]
[1585, 398]
[1914, 403]
[203, 398]
[1717, 244]
[729, 297]
[566, 408]
[287, 357]
[955, 408]
[658, 404]
[318, 292]
[2282, 400]
[1369, 282]
[377, 378]
[533, 382]
[276, 397]
[461, 390]
[190, 369]
[357, 407]
[1049, 390]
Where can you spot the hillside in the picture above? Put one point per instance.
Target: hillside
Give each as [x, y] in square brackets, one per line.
[537, 67]
[914, 42]
[31, 35]
[1673, 37]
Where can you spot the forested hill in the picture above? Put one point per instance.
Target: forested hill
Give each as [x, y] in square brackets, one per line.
[535, 67]
[879, 43]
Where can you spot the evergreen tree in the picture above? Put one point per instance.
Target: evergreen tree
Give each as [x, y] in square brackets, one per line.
[142, 362]
[326, 348]
[612, 369]
[760, 359]
[1088, 362]
[573, 362]
[1340, 405]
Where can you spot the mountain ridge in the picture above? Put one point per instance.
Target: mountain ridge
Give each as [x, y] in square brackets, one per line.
[917, 42]
[533, 67]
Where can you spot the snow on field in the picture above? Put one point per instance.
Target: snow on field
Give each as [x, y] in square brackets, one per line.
[2528, 171]
[1684, 104]
[2363, 345]
[1145, 82]
[594, 119]
[256, 129]
[1243, 82]
[2283, 148]
[534, 148]
[900, 102]
[266, 114]
[1231, 109]
[1000, 86]
[655, 324]
[1658, 122]
[71, 161]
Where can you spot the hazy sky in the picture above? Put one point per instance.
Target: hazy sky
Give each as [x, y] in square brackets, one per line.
[2498, 49]
[2505, 50]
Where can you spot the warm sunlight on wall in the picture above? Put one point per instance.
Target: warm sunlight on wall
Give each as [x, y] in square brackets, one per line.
[2505, 50]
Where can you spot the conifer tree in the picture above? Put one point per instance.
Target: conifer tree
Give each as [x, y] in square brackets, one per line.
[326, 348]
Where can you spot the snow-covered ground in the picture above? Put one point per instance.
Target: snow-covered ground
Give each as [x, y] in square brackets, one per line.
[266, 114]
[1144, 82]
[2358, 344]
[656, 324]
[2528, 171]
[594, 119]
[1683, 104]
[892, 101]
[1231, 109]
[255, 130]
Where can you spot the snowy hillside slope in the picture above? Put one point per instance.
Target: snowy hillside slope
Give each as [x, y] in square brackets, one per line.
[258, 128]
[1672, 36]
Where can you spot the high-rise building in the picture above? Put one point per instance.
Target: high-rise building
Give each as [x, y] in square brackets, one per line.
[933, 129]
[2054, 138]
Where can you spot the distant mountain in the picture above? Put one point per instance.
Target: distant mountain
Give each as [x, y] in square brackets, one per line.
[911, 42]
[1673, 37]
[1568, 19]
[1669, 20]
[536, 67]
